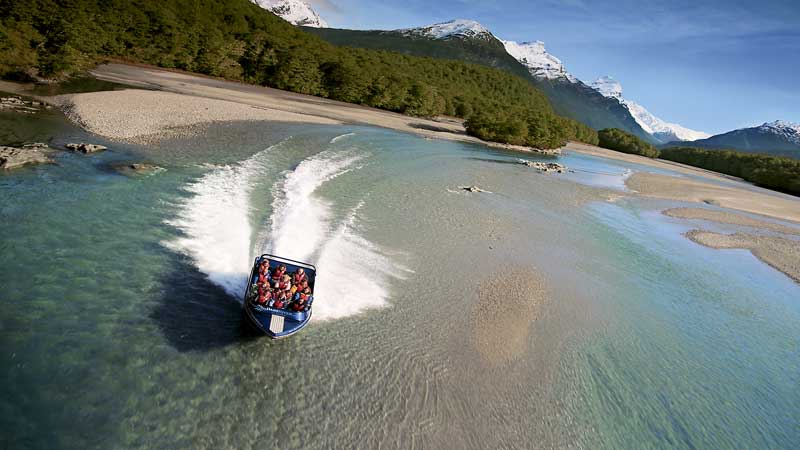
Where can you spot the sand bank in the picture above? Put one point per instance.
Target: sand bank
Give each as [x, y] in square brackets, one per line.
[508, 302]
[139, 115]
[273, 102]
[781, 253]
[729, 218]
[683, 189]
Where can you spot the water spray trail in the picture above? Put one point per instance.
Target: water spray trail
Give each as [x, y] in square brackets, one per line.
[215, 223]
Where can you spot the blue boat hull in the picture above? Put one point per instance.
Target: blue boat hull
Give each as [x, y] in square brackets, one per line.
[276, 323]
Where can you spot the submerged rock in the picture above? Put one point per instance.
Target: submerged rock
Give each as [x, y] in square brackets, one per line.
[544, 167]
[137, 168]
[86, 148]
[13, 157]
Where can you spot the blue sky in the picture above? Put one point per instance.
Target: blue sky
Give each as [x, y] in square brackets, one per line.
[709, 65]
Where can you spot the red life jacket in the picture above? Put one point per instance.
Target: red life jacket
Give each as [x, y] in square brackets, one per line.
[297, 306]
[298, 278]
[278, 303]
[262, 299]
[262, 278]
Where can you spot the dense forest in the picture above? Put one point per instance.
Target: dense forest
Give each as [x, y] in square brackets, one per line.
[237, 40]
[782, 174]
[621, 141]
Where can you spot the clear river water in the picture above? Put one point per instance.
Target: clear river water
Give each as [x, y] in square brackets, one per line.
[121, 322]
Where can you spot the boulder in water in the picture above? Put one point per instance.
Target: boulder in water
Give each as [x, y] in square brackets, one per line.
[544, 167]
[13, 157]
[86, 148]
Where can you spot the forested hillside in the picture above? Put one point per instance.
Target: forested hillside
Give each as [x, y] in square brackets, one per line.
[236, 39]
[772, 172]
[616, 139]
[574, 100]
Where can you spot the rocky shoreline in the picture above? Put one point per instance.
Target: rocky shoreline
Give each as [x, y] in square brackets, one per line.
[21, 105]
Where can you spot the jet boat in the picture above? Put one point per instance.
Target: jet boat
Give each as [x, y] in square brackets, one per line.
[277, 322]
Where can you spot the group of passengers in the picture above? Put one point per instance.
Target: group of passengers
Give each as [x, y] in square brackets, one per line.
[278, 289]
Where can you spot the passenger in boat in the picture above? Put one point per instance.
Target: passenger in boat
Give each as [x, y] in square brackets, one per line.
[265, 297]
[299, 304]
[278, 273]
[303, 286]
[299, 276]
[284, 284]
[263, 277]
[263, 271]
[280, 300]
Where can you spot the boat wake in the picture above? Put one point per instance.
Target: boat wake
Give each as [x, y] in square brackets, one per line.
[353, 274]
[215, 222]
[340, 137]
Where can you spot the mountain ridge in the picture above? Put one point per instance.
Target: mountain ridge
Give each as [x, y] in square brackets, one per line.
[662, 130]
[778, 138]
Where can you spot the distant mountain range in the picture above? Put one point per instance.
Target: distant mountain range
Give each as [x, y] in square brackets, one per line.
[599, 105]
[660, 129]
[774, 138]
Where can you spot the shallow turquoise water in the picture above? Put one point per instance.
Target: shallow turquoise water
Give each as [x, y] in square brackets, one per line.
[121, 323]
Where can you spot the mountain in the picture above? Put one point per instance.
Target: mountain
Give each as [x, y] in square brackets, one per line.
[467, 40]
[660, 129]
[296, 12]
[569, 95]
[453, 29]
[468, 43]
[779, 138]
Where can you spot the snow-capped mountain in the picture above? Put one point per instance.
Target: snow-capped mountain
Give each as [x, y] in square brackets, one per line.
[459, 28]
[779, 138]
[296, 12]
[540, 63]
[660, 129]
[783, 129]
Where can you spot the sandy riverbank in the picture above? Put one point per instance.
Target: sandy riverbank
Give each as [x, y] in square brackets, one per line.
[689, 190]
[729, 218]
[274, 103]
[781, 253]
[140, 116]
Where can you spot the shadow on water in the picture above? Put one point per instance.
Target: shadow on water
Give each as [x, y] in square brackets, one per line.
[195, 314]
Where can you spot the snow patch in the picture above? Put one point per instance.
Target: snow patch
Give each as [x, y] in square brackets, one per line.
[296, 12]
[454, 28]
[540, 63]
